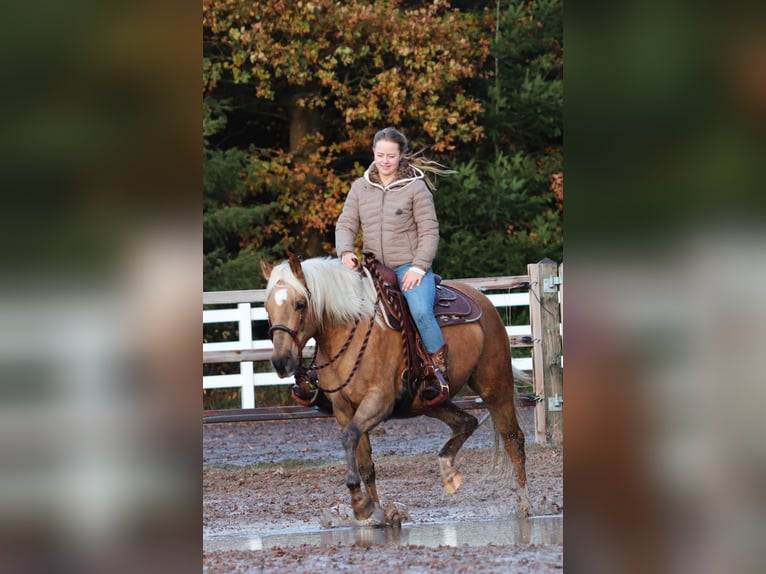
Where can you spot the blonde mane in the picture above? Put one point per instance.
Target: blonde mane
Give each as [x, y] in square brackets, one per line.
[338, 294]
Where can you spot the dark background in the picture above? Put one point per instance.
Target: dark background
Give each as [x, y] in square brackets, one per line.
[663, 313]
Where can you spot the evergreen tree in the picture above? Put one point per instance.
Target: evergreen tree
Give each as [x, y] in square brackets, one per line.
[505, 208]
[230, 215]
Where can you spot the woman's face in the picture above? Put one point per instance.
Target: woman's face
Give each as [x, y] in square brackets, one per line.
[387, 156]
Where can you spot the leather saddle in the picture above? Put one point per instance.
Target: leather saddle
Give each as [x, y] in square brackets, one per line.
[451, 307]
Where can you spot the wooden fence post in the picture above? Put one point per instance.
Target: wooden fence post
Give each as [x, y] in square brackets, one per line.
[246, 367]
[545, 319]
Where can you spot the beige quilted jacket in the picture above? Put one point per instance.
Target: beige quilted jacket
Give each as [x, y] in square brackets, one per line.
[398, 221]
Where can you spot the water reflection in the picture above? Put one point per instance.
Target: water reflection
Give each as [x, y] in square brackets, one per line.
[535, 530]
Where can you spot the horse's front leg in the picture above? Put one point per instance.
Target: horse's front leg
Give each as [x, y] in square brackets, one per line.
[359, 465]
[367, 466]
[365, 507]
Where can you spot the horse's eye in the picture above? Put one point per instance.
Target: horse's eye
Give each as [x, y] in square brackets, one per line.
[300, 305]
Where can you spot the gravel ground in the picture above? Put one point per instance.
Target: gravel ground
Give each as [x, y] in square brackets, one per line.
[266, 477]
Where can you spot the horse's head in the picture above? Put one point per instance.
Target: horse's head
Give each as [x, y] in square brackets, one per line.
[290, 317]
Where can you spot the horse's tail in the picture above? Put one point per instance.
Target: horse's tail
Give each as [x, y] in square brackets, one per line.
[501, 463]
[521, 376]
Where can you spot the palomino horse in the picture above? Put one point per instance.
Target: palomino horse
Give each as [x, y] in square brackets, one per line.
[362, 360]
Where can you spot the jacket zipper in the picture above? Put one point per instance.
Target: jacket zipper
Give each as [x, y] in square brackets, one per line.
[382, 215]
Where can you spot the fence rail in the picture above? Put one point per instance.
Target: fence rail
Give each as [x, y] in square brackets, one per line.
[244, 309]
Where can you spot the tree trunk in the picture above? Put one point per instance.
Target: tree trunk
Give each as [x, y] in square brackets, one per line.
[303, 122]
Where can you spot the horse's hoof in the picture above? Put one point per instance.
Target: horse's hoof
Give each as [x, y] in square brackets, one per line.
[338, 515]
[377, 518]
[523, 506]
[523, 511]
[396, 513]
[329, 519]
[453, 482]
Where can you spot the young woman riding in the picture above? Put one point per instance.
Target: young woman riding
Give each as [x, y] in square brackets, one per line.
[393, 204]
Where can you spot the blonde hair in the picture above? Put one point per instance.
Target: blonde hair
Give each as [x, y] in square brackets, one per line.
[415, 159]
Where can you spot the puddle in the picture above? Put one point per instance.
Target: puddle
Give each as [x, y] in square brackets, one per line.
[536, 530]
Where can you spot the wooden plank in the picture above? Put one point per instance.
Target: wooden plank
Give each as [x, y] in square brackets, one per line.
[561, 312]
[299, 412]
[237, 345]
[235, 356]
[489, 283]
[230, 315]
[521, 341]
[259, 295]
[509, 299]
[535, 289]
[546, 354]
[238, 355]
[261, 414]
[247, 396]
[234, 297]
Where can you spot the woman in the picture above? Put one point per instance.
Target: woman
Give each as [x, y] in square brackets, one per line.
[393, 205]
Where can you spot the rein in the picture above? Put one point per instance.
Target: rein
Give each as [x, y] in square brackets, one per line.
[358, 358]
[338, 355]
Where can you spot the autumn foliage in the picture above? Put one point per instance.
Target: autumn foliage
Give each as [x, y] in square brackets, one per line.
[362, 63]
[293, 92]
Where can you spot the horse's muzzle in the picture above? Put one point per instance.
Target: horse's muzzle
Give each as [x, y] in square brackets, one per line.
[284, 365]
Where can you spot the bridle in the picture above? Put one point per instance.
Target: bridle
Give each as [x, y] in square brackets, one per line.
[292, 332]
[299, 325]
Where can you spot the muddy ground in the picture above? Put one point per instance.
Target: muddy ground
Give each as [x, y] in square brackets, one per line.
[264, 477]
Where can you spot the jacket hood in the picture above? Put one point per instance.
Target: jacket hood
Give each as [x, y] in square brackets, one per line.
[407, 174]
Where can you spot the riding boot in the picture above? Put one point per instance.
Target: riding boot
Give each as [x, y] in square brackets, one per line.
[436, 390]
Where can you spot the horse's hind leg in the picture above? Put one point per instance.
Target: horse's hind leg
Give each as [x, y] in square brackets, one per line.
[462, 425]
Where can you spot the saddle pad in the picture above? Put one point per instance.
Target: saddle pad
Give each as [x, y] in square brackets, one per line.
[452, 307]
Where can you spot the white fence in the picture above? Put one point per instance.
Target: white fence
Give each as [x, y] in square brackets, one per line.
[244, 309]
[248, 351]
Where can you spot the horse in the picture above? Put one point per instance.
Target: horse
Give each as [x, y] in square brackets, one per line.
[362, 360]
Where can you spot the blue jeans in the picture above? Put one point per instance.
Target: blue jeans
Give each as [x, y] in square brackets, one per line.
[420, 300]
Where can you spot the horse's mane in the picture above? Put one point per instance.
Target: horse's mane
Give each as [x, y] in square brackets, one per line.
[338, 294]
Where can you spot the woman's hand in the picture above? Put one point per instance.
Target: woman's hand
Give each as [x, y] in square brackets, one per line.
[411, 279]
[350, 260]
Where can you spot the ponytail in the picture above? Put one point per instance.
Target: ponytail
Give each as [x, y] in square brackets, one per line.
[428, 166]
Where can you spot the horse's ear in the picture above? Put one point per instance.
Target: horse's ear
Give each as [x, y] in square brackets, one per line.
[295, 267]
[266, 268]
